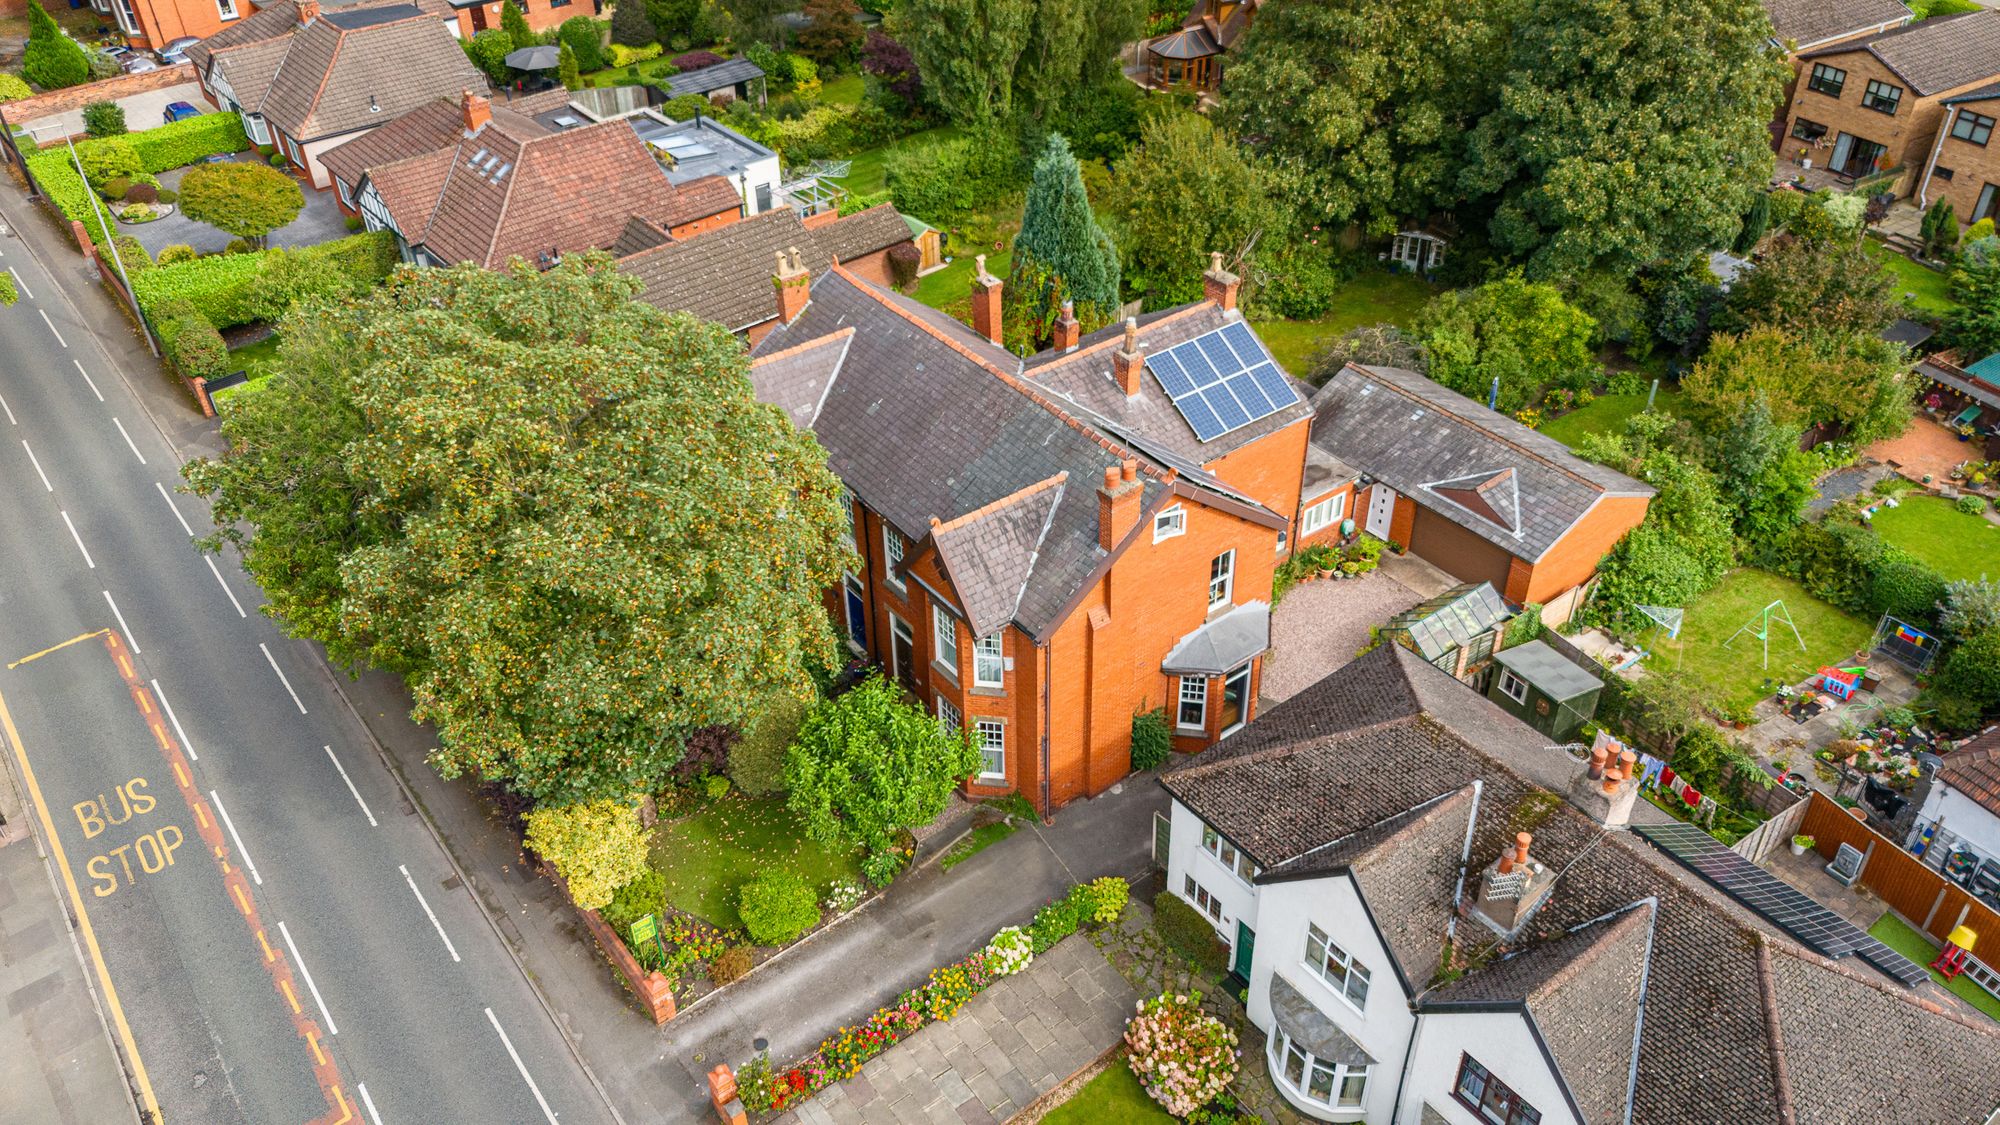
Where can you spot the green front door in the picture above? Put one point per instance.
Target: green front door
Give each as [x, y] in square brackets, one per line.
[1246, 944]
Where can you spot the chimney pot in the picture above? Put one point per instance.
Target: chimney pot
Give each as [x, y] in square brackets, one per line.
[1219, 285]
[1598, 756]
[1129, 363]
[1111, 476]
[308, 11]
[1129, 470]
[1118, 504]
[794, 285]
[985, 301]
[1068, 332]
[1626, 762]
[1612, 778]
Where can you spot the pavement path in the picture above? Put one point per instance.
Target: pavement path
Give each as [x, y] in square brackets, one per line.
[272, 930]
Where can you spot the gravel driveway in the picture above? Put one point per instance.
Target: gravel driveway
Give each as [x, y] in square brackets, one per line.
[1320, 625]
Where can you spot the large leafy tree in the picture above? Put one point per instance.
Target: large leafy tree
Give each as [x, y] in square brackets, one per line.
[1762, 472]
[631, 25]
[967, 51]
[51, 59]
[515, 23]
[1523, 333]
[1974, 326]
[867, 765]
[559, 512]
[1061, 253]
[249, 200]
[1358, 105]
[1625, 132]
[1851, 379]
[1182, 193]
[1805, 286]
[1073, 48]
[834, 35]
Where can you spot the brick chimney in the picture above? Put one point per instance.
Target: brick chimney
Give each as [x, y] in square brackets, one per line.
[985, 300]
[1118, 503]
[1607, 789]
[308, 11]
[475, 111]
[1511, 887]
[1068, 331]
[794, 284]
[1218, 284]
[1128, 363]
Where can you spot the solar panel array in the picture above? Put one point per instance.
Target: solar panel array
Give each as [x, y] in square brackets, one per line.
[1773, 898]
[1222, 381]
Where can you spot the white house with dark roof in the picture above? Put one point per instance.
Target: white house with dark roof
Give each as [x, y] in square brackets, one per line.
[1440, 919]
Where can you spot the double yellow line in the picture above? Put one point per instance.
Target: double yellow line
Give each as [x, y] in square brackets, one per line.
[149, 1103]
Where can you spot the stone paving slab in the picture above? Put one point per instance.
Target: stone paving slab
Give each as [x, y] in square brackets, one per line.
[1013, 1043]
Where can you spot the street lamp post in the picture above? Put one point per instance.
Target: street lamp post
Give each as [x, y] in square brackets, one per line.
[110, 241]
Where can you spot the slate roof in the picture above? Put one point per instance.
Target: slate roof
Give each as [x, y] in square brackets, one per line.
[1348, 753]
[434, 125]
[1482, 470]
[269, 21]
[708, 79]
[1807, 22]
[725, 275]
[1974, 769]
[1222, 643]
[795, 380]
[1983, 94]
[355, 68]
[991, 553]
[926, 420]
[1937, 54]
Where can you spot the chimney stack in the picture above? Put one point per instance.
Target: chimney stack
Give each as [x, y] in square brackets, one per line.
[475, 111]
[1606, 791]
[1068, 331]
[1511, 887]
[794, 285]
[1118, 503]
[1128, 364]
[985, 300]
[1218, 284]
[308, 11]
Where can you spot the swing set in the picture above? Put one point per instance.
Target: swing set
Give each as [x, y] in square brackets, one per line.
[1760, 627]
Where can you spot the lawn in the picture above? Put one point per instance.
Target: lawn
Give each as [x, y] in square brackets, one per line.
[844, 90]
[1736, 674]
[1954, 544]
[866, 175]
[1606, 415]
[708, 855]
[258, 359]
[1929, 288]
[1373, 296]
[1114, 1095]
[1919, 947]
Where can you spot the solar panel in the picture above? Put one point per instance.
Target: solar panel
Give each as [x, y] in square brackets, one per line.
[1222, 380]
[1773, 898]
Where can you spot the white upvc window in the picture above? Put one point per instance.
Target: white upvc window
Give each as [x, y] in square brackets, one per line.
[1311, 1079]
[990, 736]
[1193, 712]
[1226, 854]
[226, 9]
[1169, 523]
[944, 641]
[892, 555]
[949, 716]
[1346, 976]
[989, 667]
[846, 516]
[1203, 901]
[1221, 579]
[1324, 514]
[1513, 687]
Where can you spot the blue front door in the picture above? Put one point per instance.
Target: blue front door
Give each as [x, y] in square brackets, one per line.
[857, 614]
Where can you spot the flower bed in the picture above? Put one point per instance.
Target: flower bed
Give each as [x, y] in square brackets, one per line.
[765, 1089]
[1183, 1056]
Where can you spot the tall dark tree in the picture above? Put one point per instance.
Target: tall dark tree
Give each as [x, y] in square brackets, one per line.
[1626, 132]
[1974, 326]
[890, 62]
[834, 35]
[1073, 47]
[515, 24]
[631, 26]
[967, 51]
[1061, 253]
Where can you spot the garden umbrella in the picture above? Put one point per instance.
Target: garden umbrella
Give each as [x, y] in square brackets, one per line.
[535, 58]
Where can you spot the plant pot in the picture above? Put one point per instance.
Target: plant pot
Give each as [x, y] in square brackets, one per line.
[1326, 573]
[1798, 849]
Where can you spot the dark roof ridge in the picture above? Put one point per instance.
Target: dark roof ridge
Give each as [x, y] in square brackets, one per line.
[990, 507]
[1774, 1031]
[1510, 443]
[1616, 923]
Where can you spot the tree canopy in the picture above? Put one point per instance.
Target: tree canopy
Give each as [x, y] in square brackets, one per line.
[1520, 332]
[1974, 326]
[1061, 253]
[834, 35]
[1183, 192]
[1804, 286]
[560, 513]
[983, 60]
[249, 200]
[51, 59]
[1851, 379]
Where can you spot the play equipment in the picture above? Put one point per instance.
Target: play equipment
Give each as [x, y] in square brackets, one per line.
[1841, 683]
[1666, 617]
[1905, 644]
[1957, 950]
[1759, 626]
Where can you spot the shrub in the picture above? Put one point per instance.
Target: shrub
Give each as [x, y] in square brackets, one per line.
[585, 39]
[166, 195]
[1100, 901]
[104, 119]
[881, 867]
[278, 160]
[596, 846]
[715, 786]
[488, 51]
[904, 258]
[693, 60]
[116, 187]
[1009, 952]
[178, 252]
[1152, 739]
[193, 345]
[184, 142]
[1053, 923]
[1183, 1056]
[1188, 933]
[944, 180]
[1972, 505]
[757, 760]
[731, 965]
[621, 55]
[13, 89]
[247, 200]
[632, 29]
[867, 766]
[135, 212]
[142, 193]
[685, 107]
[132, 252]
[1299, 282]
[110, 159]
[225, 287]
[777, 906]
[1982, 229]
[52, 59]
[644, 895]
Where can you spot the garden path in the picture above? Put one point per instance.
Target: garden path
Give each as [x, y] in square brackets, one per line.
[1013, 1043]
[1319, 626]
[320, 221]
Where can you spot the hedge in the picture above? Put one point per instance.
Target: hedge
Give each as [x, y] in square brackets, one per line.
[161, 149]
[224, 287]
[945, 180]
[189, 341]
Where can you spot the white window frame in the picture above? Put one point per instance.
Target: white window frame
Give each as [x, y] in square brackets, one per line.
[1322, 964]
[949, 716]
[1226, 854]
[893, 549]
[1512, 686]
[1222, 579]
[1243, 708]
[847, 517]
[989, 654]
[226, 9]
[989, 736]
[1339, 1075]
[1325, 514]
[944, 641]
[1193, 690]
[899, 630]
[1170, 522]
[1206, 902]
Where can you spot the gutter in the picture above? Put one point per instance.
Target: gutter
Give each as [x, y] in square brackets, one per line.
[1937, 146]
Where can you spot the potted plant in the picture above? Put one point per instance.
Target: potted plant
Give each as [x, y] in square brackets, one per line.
[1800, 844]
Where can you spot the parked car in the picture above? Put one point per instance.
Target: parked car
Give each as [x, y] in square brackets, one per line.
[132, 62]
[179, 111]
[176, 51]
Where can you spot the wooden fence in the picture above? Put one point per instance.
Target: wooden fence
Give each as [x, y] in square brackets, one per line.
[1926, 898]
[1774, 832]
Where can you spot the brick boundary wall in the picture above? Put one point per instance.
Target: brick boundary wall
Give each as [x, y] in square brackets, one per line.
[55, 102]
[652, 989]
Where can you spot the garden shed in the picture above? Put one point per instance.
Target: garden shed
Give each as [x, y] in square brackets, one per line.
[1540, 687]
[737, 78]
[1457, 631]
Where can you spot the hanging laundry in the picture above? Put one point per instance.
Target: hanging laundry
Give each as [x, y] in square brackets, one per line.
[1668, 780]
[1650, 769]
[1691, 795]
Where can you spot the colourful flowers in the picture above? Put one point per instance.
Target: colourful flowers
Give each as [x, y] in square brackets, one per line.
[1009, 952]
[1183, 1056]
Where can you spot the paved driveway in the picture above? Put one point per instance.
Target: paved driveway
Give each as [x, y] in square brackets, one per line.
[1321, 625]
[320, 221]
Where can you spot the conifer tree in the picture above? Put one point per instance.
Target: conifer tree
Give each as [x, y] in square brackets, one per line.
[52, 60]
[1061, 253]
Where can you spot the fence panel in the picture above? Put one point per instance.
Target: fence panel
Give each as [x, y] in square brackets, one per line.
[1778, 830]
[1932, 902]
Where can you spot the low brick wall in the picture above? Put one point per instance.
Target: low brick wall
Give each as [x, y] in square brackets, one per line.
[138, 93]
[654, 992]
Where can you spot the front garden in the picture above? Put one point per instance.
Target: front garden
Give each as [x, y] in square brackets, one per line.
[707, 856]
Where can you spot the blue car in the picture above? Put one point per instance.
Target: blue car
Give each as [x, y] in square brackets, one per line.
[180, 111]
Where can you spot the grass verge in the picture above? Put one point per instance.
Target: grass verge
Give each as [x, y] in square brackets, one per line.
[976, 841]
[1114, 1095]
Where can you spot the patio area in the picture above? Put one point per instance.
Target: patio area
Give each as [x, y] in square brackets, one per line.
[320, 221]
[1322, 625]
[1926, 452]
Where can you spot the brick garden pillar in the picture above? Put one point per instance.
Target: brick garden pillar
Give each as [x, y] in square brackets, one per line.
[722, 1092]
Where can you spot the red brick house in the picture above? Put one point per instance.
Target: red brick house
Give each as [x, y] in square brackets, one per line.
[155, 23]
[1472, 491]
[1051, 545]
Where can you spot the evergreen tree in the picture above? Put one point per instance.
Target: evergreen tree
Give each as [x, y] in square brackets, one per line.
[967, 51]
[631, 26]
[52, 60]
[1754, 224]
[1061, 253]
[566, 68]
[515, 24]
[1939, 229]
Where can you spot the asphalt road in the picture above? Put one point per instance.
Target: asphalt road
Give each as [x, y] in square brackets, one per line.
[275, 932]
